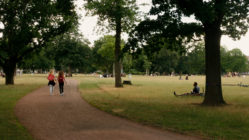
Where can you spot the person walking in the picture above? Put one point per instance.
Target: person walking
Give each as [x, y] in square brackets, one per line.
[51, 81]
[61, 80]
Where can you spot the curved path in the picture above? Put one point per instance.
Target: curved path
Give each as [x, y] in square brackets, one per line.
[69, 117]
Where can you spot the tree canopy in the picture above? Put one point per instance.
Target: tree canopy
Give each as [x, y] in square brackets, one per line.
[213, 19]
[121, 16]
[70, 53]
[103, 52]
[28, 25]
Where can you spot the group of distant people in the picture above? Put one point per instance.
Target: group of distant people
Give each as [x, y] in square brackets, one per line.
[232, 74]
[61, 79]
[52, 82]
[186, 78]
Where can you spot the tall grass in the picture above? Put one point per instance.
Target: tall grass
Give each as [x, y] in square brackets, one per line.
[150, 101]
[10, 128]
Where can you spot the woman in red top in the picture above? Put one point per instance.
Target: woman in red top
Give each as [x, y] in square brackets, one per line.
[61, 80]
[51, 82]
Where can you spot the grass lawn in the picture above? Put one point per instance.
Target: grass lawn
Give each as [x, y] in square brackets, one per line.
[150, 101]
[10, 128]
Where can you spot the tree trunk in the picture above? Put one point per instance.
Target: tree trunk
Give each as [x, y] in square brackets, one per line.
[70, 72]
[118, 82]
[9, 69]
[147, 72]
[213, 93]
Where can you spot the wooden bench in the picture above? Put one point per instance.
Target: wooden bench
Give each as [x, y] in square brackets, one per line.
[127, 82]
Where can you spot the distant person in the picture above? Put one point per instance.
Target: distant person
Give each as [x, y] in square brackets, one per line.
[186, 77]
[61, 80]
[51, 82]
[2, 74]
[180, 78]
[194, 92]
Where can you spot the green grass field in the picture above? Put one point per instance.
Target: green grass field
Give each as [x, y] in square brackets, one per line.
[150, 101]
[10, 128]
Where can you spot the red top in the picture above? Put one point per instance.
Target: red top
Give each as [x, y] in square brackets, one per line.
[50, 77]
[61, 79]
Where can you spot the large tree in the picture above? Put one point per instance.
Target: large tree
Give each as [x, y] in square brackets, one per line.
[214, 18]
[38, 61]
[233, 61]
[26, 26]
[194, 61]
[121, 16]
[70, 52]
[104, 53]
[166, 61]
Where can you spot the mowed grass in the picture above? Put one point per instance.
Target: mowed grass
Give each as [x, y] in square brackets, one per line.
[10, 128]
[150, 101]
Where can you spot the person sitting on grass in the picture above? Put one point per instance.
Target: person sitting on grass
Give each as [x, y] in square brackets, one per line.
[195, 92]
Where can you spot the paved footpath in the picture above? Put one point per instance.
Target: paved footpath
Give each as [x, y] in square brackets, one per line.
[69, 117]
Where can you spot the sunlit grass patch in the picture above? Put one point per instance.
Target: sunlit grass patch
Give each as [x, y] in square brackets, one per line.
[150, 101]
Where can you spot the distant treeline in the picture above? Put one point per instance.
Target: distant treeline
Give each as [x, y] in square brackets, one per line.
[74, 54]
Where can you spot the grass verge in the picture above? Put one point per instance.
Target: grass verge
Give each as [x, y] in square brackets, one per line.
[150, 101]
[10, 128]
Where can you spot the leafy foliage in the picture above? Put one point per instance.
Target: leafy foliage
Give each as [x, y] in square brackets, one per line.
[103, 53]
[37, 61]
[121, 16]
[213, 18]
[110, 10]
[234, 61]
[28, 25]
[70, 53]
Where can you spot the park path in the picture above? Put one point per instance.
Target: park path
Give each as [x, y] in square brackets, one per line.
[69, 117]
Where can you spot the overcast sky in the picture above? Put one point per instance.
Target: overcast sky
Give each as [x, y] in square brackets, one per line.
[88, 25]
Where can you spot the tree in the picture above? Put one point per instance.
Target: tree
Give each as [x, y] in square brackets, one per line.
[214, 18]
[166, 61]
[121, 16]
[103, 52]
[127, 62]
[27, 26]
[37, 61]
[70, 53]
[194, 62]
[225, 60]
[107, 52]
[141, 64]
[233, 61]
[147, 65]
[99, 62]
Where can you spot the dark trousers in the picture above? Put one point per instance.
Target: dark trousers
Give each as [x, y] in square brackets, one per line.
[61, 86]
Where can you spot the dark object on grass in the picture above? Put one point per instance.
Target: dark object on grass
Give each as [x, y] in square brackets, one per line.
[127, 82]
[105, 75]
